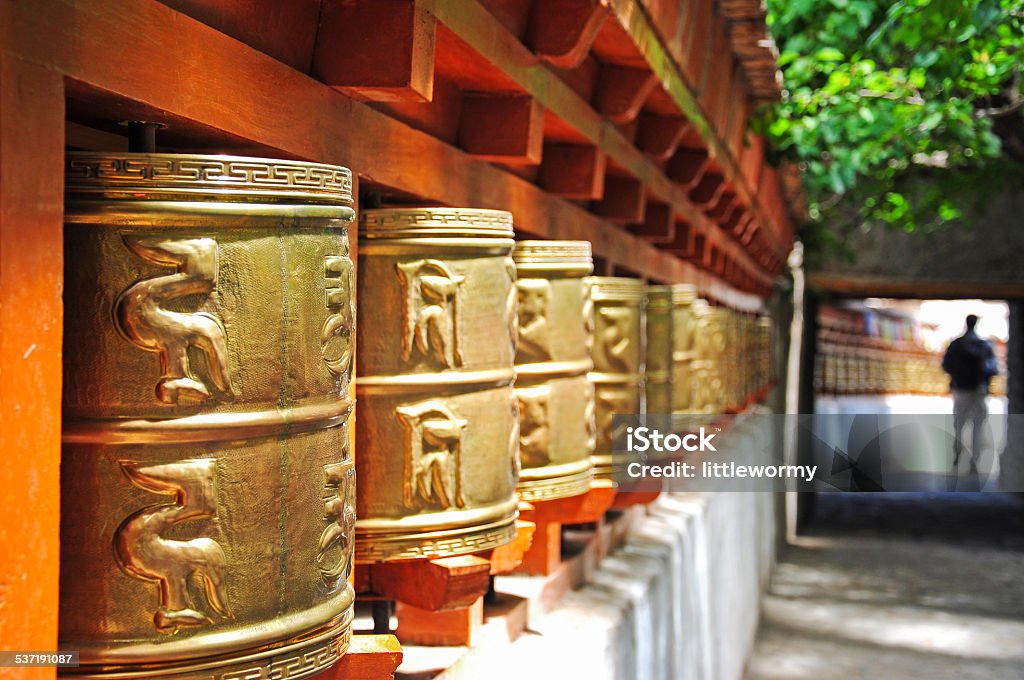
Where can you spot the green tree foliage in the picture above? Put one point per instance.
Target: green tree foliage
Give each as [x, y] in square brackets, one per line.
[882, 95]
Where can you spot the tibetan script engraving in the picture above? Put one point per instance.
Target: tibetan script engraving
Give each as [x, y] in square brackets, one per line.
[433, 455]
[340, 483]
[336, 335]
[432, 301]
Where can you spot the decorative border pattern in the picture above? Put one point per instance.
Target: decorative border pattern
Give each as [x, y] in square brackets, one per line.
[683, 293]
[224, 175]
[393, 221]
[556, 487]
[412, 546]
[617, 289]
[550, 254]
[300, 665]
[291, 664]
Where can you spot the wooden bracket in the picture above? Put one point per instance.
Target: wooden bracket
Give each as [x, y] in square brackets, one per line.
[545, 554]
[506, 128]
[683, 243]
[573, 171]
[621, 91]
[659, 136]
[369, 657]
[700, 243]
[400, 65]
[506, 558]
[687, 166]
[439, 584]
[627, 499]
[451, 628]
[659, 225]
[726, 205]
[561, 31]
[708, 190]
[624, 200]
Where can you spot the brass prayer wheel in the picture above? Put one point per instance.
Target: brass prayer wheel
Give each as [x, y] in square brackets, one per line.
[207, 490]
[438, 415]
[683, 343]
[553, 360]
[709, 350]
[618, 359]
[659, 353]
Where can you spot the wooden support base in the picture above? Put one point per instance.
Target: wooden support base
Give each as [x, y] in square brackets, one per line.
[507, 558]
[545, 554]
[452, 628]
[369, 657]
[441, 584]
[627, 499]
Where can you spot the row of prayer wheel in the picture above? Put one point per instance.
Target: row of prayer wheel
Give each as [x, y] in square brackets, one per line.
[210, 514]
[842, 369]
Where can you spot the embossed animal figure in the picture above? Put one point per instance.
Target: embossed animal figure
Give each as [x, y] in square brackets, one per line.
[143, 316]
[612, 401]
[534, 337]
[143, 552]
[615, 351]
[433, 456]
[534, 435]
[432, 307]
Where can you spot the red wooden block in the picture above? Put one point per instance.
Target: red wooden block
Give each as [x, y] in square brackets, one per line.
[621, 91]
[502, 127]
[624, 200]
[659, 136]
[369, 657]
[452, 628]
[380, 50]
[562, 31]
[573, 171]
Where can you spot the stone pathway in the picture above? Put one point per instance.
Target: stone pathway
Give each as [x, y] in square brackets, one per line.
[894, 586]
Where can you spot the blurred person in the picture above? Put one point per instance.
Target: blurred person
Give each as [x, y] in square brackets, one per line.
[971, 365]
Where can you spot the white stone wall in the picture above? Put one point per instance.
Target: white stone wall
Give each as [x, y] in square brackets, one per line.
[678, 601]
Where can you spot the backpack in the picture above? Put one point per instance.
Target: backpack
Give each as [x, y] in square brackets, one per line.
[970, 362]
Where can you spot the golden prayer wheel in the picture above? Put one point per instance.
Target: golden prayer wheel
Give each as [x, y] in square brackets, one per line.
[206, 483]
[684, 343]
[556, 398]
[709, 351]
[618, 359]
[438, 416]
[765, 351]
[659, 355]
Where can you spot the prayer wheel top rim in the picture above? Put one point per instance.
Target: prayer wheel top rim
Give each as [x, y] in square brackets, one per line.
[569, 257]
[684, 293]
[205, 178]
[659, 298]
[435, 222]
[618, 289]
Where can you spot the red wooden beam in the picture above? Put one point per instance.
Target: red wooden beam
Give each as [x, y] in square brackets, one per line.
[31, 316]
